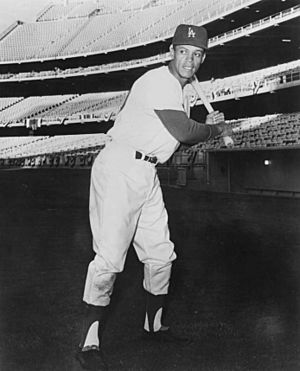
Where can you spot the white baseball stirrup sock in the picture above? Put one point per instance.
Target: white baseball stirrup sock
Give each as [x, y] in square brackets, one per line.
[92, 327]
[92, 338]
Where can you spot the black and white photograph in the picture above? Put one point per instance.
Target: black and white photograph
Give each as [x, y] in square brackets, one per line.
[149, 185]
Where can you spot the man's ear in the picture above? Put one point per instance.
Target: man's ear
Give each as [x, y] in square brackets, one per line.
[203, 57]
[172, 51]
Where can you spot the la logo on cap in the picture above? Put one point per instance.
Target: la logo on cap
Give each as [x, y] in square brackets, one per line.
[191, 32]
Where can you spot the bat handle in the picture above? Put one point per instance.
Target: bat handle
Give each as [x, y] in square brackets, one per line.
[228, 141]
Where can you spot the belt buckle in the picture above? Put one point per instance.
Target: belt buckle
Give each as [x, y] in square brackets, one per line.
[152, 160]
[141, 156]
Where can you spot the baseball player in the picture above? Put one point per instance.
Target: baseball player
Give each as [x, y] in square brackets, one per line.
[126, 202]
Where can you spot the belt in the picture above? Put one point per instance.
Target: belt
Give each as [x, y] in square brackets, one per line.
[141, 156]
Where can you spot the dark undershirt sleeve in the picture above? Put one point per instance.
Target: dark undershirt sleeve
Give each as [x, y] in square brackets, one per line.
[184, 129]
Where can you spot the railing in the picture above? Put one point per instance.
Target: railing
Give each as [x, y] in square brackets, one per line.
[218, 12]
[9, 29]
[255, 26]
[43, 11]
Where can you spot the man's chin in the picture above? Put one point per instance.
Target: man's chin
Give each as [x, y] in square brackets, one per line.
[187, 74]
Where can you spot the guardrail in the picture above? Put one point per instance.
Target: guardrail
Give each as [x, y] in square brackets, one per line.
[255, 26]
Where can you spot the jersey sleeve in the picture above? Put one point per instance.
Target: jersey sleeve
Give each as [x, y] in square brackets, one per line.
[184, 129]
[159, 92]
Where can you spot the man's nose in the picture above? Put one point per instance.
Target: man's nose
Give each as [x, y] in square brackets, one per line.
[189, 57]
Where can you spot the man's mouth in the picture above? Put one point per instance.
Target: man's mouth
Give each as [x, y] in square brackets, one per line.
[188, 68]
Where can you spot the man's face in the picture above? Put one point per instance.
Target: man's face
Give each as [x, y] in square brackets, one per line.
[186, 61]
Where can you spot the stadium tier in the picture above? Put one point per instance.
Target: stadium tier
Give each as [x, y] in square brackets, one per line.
[55, 108]
[11, 147]
[7, 102]
[30, 107]
[270, 131]
[252, 83]
[37, 40]
[98, 105]
[59, 32]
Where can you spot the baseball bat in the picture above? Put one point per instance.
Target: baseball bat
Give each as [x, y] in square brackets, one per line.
[246, 126]
[228, 141]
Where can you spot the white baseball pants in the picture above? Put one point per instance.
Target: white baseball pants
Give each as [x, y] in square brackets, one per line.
[126, 206]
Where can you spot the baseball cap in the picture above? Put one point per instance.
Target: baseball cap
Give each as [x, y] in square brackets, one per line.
[186, 34]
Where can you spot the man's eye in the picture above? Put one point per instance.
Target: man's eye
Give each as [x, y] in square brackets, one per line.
[198, 55]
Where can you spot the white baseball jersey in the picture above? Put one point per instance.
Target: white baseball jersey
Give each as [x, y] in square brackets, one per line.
[138, 126]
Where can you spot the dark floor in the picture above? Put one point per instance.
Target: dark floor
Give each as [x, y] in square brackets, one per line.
[235, 288]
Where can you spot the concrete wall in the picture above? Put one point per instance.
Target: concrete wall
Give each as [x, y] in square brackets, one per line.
[245, 171]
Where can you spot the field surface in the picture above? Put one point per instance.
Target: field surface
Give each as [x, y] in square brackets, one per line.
[235, 287]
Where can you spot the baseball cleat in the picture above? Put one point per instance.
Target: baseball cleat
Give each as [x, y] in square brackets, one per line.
[91, 360]
[165, 336]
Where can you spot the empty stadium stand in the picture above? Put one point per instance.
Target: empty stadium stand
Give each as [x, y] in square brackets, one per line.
[98, 105]
[278, 130]
[56, 108]
[99, 45]
[21, 109]
[75, 29]
[33, 146]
